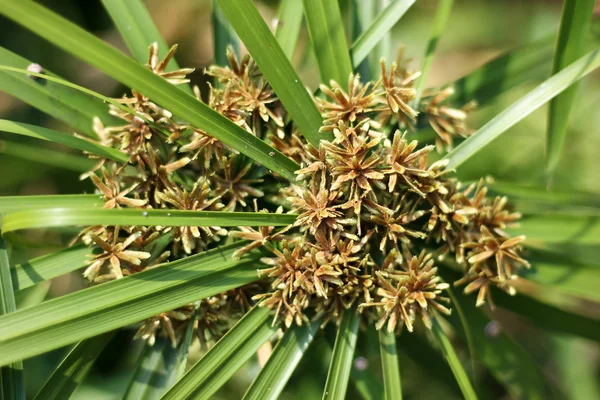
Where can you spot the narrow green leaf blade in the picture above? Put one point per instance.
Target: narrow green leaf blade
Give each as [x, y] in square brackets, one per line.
[71, 107]
[273, 63]
[114, 304]
[84, 45]
[273, 377]
[327, 36]
[343, 356]
[442, 15]
[74, 368]
[390, 366]
[11, 376]
[223, 34]
[384, 22]
[523, 107]
[10, 204]
[457, 369]
[49, 266]
[574, 27]
[289, 22]
[73, 142]
[44, 156]
[225, 357]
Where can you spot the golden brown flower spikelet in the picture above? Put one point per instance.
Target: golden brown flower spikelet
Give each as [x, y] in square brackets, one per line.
[398, 91]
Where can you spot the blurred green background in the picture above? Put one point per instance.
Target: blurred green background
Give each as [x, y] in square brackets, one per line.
[478, 31]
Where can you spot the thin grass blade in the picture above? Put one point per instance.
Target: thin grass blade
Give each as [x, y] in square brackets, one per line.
[89, 312]
[69, 106]
[11, 376]
[273, 377]
[442, 15]
[223, 34]
[185, 346]
[327, 36]
[289, 22]
[457, 369]
[10, 204]
[92, 50]
[523, 107]
[342, 358]
[74, 368]
[71, 141]
[44, 156]
[276, 67]
[50, 266]
[225, 357]
[570, 45]
[390, 365]
[384, 22]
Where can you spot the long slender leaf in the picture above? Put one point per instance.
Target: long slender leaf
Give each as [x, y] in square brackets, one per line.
[327, 36]
[185, 345]
[523, 107]
[225, 357]
[342, 358]
[84, 45]
[46, 267]
[46, 156]
[442, 15]
[390, 365]
[71, 107]
[384, 22]
[457, 369]
[55, 217]
[50, 135]
[547, 228]
[224, 36]
[10, 204]
[11, 376]
[273, 63]
[289, 22]
[114, 304]
[74, 368]
[505, 359]
[156, 372]
[574, 27]
[134, 23]
[273, 377]
[577, 280]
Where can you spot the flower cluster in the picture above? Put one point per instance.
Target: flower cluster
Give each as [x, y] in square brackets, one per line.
[374, 214]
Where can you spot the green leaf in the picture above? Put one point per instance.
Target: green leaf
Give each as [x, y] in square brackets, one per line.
[504, 72]
[10, 204]
[523, 107]
[342, 358]
[156, 371]
[289, 22]
[71, 107]
[49, 266]
[273, 377]
[549, 317]
[457, 369]
[41, 155]
[553, 227]
[121, 302]
[384, 22]
[32, 296]
[442, 15]
[11, 376]
[390, 365]
[56, 217]
[275, 66]
[134, 23]
[225, 357]
[74, 368]
[504, 358]
[367, 384]
[92, 50]
[224, 36]
[326, 30]
[50, 135]
[574, 27]
[185, 346]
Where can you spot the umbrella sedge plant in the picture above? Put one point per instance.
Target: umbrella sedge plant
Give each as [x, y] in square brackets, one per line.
[266, 216]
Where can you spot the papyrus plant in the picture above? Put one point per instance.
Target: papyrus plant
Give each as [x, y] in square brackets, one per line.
[271, 214]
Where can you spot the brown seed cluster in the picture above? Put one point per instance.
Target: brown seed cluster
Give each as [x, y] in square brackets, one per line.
[373, 213]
